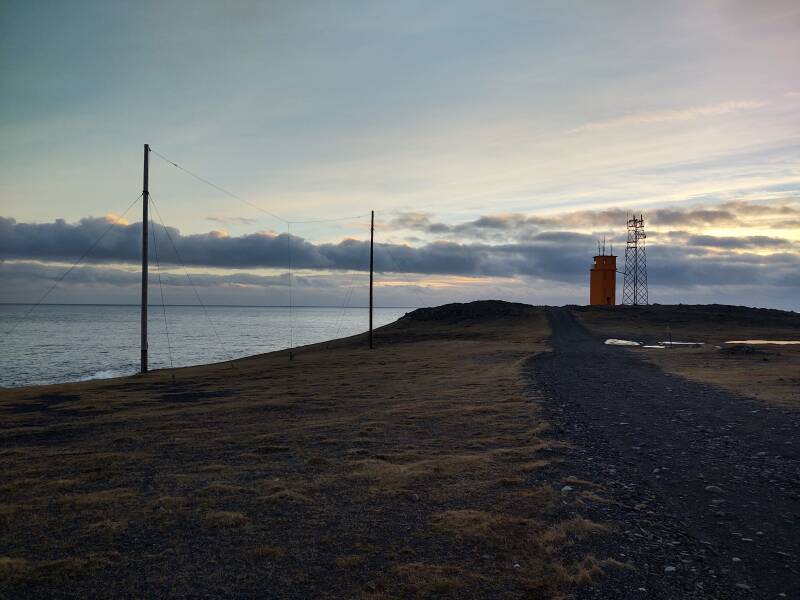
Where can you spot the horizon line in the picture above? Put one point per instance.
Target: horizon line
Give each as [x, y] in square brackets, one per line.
[200, 305]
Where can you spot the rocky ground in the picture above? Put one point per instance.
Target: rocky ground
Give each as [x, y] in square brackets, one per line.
[702, 484]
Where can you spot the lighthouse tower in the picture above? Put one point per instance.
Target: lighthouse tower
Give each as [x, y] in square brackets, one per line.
[603, 278]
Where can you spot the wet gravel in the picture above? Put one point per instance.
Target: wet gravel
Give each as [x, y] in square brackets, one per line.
[704, 485]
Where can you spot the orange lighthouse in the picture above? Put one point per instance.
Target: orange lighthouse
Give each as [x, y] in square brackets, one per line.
[603, 280]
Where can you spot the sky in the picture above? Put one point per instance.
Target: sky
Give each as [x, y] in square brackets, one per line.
[495, 141]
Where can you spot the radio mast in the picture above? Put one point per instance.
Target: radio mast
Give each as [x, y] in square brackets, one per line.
[634, 289]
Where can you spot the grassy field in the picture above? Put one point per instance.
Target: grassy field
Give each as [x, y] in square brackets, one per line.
[418, 468]
[770, 373]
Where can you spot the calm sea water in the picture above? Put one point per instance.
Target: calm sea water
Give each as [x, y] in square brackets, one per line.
[58, 343]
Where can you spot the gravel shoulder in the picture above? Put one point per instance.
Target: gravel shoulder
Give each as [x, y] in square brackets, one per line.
[703, 485]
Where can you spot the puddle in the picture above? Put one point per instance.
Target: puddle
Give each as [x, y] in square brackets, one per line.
[659, 345]
[751, 342]
[616, 342]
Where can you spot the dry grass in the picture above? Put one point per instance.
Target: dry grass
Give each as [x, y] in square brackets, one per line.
[351, 561]
[7, 513]
[286, 497]
[343, 469]
[534, 544]
[570, 531]
[107, 527]
[772, 374]
[279, 491]
[589, 569]
[15, 569]
[480, 524]
[226, 518]
[101, 497]
[426, 579]
[219, 489]
[391, 476]
[265, 551]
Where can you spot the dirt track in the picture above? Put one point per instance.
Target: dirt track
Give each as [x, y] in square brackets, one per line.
[704, 484]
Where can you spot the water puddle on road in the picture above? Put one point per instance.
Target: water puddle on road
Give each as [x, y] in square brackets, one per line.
[658, 346]
[616, 342]
[753, 342]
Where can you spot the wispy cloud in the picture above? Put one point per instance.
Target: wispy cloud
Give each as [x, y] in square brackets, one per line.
[231, 220]
[736, 214]
[673, 115]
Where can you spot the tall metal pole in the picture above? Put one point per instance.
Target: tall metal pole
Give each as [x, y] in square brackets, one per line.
[145, 219]
[636, 267]
[371, 244]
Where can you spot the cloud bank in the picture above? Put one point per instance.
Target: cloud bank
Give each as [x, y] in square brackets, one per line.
[556, 248]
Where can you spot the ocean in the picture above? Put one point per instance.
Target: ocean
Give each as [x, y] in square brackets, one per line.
[60, 343]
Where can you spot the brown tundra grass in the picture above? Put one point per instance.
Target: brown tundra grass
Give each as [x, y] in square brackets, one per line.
[353, 473]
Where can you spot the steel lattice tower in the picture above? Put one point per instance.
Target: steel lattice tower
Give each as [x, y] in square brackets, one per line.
[634, 289]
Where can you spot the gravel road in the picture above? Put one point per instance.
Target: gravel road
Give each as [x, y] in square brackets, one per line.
[704, 485]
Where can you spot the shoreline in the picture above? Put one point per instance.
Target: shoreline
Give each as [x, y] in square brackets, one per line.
[237, 332]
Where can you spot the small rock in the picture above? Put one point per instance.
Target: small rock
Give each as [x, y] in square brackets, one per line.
[567, 488]
[743, 586]
[669, 569]
[736, 559]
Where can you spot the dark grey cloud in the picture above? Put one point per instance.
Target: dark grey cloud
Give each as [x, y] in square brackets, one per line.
[419, 222]
[26, 281]
[695, 242]
[682, 258]
[731, 242]
[65, 242]
[60, 240]
[682, 267]
[106, 275]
